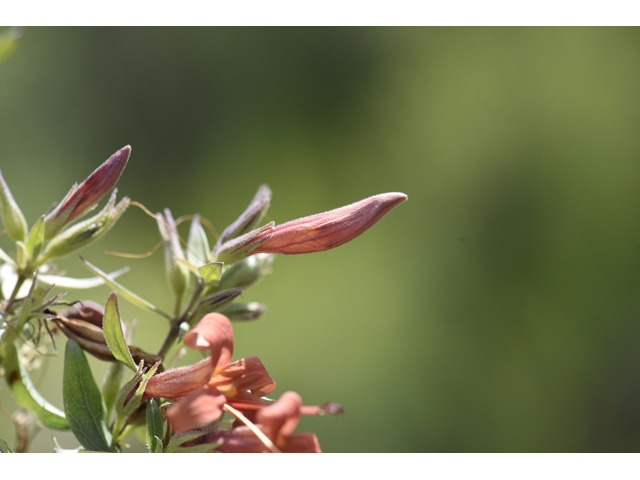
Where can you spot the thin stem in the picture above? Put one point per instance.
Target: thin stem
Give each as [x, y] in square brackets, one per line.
[14, 294]
[175, 327]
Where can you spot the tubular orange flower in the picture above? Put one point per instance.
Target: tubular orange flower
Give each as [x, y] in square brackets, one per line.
[327, 230]
[278, 422]
[200, 390]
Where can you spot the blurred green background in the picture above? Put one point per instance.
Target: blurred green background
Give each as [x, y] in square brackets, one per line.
[497, 310]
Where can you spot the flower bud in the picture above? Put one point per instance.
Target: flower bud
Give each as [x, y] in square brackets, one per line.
[177, 272]
[246, 272]
[88, 336]
[324, 231]
[245, 311]
[87, 311]
[12, 216]
[216, 302]
[83, 323]
[84, 233]
[81, 198]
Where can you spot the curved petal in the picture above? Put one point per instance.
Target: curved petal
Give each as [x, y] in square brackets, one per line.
[214, 331]
[246, 374]
[179, 382]
[280, 419]
[198, 409]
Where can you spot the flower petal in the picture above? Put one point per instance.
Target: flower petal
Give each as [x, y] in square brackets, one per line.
[179, 382]
[246, 374]
[214, 331]
[196, 410]
[280, 419]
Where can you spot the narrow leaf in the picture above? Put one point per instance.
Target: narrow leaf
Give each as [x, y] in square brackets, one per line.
[113, 333]
[83, 403]
[79, 283]
[128, 294]
[211, 272]
[25, 392]
[155, 427]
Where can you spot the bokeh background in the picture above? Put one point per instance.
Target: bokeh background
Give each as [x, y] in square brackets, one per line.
[497, 310]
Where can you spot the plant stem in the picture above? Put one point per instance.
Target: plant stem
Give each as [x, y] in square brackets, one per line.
[175, 324]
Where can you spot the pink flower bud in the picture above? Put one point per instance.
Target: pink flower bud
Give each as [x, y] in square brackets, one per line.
[88, 193]
[324, 231]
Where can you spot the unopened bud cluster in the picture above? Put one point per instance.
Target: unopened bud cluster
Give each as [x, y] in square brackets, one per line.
[180, 408]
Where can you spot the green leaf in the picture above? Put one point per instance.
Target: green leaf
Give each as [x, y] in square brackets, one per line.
[211, 272]
[198, 252]
[83, 403]
[79, 283]
[25, 392]
[4, 448]
[128, 294]
[113, 333]
[155, 427]
[35, 240]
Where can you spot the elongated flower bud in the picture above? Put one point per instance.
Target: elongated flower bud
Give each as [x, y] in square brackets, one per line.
[84, 325]
[82, 198]
[324, 231]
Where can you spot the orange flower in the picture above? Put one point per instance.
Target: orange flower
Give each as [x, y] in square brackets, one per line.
[278, 422]
[327, 230]
[200, 390]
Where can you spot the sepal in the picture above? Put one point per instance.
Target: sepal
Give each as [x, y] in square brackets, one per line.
[241, 247]
[12, 216]
[250, 218]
